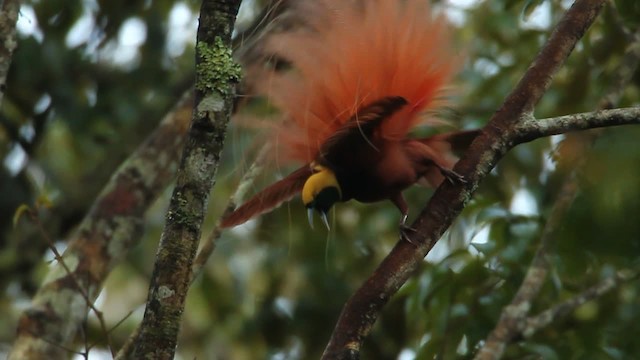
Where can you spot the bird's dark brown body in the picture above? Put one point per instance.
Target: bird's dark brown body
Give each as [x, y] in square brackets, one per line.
[383, 172]
[371, 168]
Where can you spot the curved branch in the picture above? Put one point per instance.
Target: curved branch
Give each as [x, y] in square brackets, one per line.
[362, 309]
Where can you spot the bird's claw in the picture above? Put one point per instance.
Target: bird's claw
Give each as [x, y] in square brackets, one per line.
[452, 176]
[404, 229]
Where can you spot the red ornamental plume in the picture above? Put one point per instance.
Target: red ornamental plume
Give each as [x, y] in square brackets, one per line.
[355, 53]
[364, 73]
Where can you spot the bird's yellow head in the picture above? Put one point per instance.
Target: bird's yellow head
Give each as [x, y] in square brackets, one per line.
[320, 192]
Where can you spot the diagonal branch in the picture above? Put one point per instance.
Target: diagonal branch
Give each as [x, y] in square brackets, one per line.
[362, 309]
[508, 326]
[532, 324]
[105, 235]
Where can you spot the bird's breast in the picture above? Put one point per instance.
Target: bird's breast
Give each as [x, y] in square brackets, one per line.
[367, 181]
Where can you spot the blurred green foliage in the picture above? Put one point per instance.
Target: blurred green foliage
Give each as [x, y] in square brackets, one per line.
[274, 288]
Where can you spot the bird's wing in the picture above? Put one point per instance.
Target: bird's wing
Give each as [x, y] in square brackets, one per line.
[269, 198]
[436, 154]
[359, 130]
[456, 142]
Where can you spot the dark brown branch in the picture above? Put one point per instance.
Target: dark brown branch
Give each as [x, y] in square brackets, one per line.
[537, 78]
[110, 229]
[362, 309]
[214, 92]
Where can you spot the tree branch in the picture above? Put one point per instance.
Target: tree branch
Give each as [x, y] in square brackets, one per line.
[245, 184]
[508, 326]
[529, 327]
[360, 312]
[216, 76]
[8, 18]
[109, 230]
[531, 129]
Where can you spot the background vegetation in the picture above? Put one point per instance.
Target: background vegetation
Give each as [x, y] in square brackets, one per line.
[91, 79]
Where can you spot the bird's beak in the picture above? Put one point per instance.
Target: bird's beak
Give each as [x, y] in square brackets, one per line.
[323, 216]
[310, 217]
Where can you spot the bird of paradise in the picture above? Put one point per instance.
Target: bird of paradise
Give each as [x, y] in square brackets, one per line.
[364, 74]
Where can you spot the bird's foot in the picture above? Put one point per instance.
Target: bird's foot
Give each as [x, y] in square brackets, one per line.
[452, 176]
[405, 230]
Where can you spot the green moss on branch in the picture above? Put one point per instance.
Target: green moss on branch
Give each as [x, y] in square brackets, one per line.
[217, 67]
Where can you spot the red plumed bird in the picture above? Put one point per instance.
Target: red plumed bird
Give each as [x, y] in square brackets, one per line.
[364, 74]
